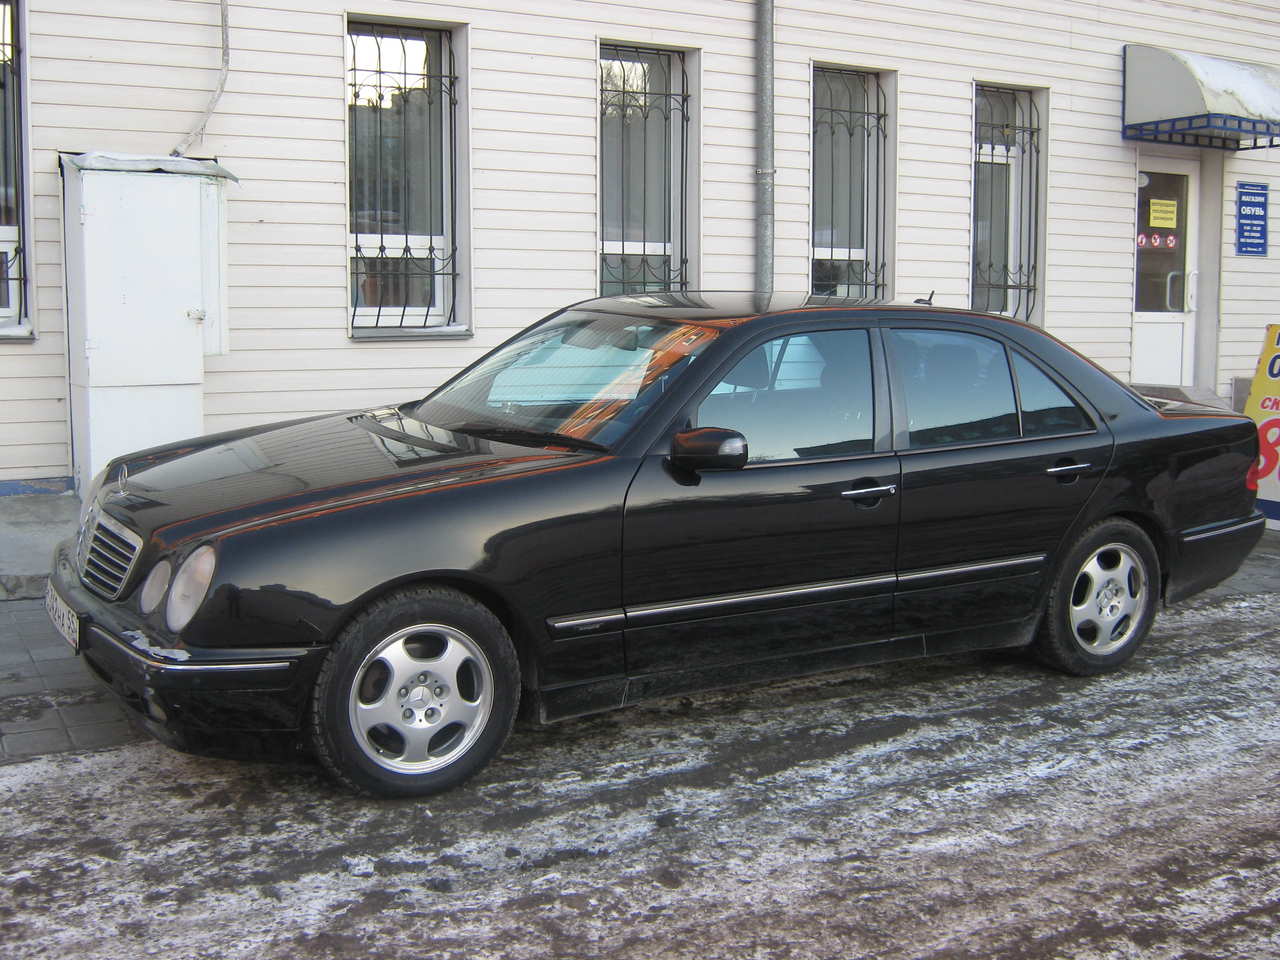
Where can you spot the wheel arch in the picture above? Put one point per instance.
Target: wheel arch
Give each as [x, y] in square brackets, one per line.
[1149, 525]
[477, 589]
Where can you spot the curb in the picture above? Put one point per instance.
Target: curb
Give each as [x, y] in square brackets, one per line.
[22, 586]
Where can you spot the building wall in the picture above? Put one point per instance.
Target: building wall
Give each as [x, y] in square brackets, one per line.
[134, 75]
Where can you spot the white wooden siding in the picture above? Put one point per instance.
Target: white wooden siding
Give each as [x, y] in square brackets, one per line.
[132, 76]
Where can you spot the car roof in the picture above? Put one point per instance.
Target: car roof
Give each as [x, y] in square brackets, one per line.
[713, 305]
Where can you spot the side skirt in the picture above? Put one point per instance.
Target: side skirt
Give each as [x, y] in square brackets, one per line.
[566, 702]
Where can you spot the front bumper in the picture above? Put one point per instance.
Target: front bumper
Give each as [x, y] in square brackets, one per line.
[242, 701]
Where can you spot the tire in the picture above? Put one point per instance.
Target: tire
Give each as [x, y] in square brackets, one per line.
[418, 693]
[1102, 602]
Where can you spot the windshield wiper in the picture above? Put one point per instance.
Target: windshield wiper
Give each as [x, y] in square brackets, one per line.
[523, 435]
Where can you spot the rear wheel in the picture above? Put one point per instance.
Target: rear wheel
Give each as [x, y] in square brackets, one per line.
[1103, 601]
[418, 693]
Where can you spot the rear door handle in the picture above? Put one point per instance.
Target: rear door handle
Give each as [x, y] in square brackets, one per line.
[888, 490]
[1068, 468]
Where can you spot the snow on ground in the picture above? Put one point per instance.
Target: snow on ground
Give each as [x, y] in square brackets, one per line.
[971, 806]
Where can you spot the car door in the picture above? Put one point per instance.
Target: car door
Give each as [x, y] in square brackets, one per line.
[793, 552]
[998, 457]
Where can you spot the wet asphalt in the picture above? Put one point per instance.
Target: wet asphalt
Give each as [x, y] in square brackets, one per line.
[973, 806]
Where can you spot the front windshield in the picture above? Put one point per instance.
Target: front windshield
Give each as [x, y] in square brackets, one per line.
[586, 375]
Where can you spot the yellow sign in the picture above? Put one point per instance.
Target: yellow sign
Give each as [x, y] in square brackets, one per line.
[1264, 408]
[1164, 213]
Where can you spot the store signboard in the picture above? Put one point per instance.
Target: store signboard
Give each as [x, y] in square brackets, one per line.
[1251, 219]
[1264, 408]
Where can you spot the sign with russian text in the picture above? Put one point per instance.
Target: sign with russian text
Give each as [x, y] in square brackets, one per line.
[1264, 407]
[1251, 219]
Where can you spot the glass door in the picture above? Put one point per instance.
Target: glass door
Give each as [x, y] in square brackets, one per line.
[1165, 277]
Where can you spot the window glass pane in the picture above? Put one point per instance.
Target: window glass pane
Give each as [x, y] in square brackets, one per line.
[390, 282]
[957, 387]
[396, 131]
[840, 133]
[808, 395]
[1162, 224]
[991, 236]
[9, 120]
[1046, 408]
[1006, 201]
[635, 145]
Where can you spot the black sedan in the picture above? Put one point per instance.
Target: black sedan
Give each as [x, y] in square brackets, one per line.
[639, 496]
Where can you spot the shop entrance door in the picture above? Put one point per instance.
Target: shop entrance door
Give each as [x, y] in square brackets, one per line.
[1164, 296]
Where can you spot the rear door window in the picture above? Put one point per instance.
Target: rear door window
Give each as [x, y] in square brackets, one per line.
[957, 387]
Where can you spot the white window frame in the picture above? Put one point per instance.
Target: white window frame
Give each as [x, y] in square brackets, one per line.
[678, 175]
[364, 320]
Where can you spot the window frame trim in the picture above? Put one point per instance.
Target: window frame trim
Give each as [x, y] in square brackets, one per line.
[449, 286]
[876, 215]
[1034, 233]
[682, 154]
[22, 326]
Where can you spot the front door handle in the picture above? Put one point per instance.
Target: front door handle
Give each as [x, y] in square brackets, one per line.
[1067, 469]
[888, 490]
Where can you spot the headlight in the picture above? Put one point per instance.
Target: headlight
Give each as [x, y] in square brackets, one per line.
[189, 586]
[154, 587]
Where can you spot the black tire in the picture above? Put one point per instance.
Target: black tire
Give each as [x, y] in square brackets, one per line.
[418, 693]
[1103, 600]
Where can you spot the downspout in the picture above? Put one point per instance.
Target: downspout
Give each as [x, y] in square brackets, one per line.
[198, 130]
[764, 147]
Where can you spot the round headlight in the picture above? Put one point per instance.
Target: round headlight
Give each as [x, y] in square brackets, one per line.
[153, 589]
[189, 586]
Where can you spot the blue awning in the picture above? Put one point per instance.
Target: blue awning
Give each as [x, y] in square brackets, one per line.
[1171, 96]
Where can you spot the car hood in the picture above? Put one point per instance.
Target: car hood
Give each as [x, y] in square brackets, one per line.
[212, 484]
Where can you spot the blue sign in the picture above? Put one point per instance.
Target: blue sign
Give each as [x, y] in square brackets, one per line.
[1251, 219]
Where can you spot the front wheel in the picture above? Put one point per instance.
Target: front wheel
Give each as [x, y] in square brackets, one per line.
[418, 693]
[1103, 600]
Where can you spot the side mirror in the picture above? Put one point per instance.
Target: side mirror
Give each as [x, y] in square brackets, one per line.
[709, 448]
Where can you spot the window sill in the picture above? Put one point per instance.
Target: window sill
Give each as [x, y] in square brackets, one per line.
[411, 333]
[22, 333]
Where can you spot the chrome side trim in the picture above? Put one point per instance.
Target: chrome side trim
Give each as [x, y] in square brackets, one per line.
[169, 665]
[927, 574]
[1230, 528]
[649, 610]
[580, 624]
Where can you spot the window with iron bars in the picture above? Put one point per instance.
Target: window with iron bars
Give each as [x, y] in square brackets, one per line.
[1006, 202]
[644, 168]
[850, 132]
[13, 311]
[402, 130]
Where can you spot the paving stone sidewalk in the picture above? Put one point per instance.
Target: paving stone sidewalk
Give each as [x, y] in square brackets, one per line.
[49, 701]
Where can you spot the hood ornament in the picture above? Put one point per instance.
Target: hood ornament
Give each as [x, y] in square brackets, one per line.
[122, 482]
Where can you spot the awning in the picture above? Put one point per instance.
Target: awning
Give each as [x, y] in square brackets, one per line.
[1171, 96]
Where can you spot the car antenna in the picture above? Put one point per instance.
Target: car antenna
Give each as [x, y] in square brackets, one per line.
[926, 301]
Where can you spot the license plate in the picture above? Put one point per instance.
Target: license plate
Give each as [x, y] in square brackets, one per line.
[63, 617]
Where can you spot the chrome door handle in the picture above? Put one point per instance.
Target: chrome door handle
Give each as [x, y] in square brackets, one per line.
[888, 490]
[1068, 468]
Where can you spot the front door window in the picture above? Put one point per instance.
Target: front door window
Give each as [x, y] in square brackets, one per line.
[1161, 243]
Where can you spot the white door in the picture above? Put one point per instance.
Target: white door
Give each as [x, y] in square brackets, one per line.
[1164, 293]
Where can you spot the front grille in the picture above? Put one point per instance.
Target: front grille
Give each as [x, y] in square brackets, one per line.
[107, 552]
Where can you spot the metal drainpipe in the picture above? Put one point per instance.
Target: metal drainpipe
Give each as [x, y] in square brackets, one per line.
[764, 146]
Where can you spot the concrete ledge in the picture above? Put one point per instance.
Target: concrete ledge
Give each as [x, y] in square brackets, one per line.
[30, 526]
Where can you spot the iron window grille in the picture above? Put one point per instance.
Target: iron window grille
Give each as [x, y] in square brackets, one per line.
[402, 130]
[12, 208]
[850, 133]
[644, 169]
[1006, 202]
